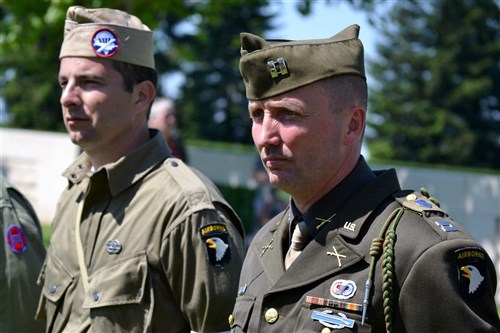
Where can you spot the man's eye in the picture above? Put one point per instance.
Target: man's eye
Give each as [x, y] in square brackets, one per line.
[256, 115]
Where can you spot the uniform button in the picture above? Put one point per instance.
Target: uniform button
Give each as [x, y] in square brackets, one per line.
[326, 330]
[53, 289]
[271, 315]
[230, 320]
[411, 197]
[174, 164]
[96, 296]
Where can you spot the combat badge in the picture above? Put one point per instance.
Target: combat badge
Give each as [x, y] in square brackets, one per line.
[16, 239]
[471, 269]
[216, 239]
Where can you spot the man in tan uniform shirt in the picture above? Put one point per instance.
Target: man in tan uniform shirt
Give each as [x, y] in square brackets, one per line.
[140, 241]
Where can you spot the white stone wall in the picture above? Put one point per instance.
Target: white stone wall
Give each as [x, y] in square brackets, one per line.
[33, 161]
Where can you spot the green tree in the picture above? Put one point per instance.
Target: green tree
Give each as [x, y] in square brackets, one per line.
[437, 97]
[212, 102]
[31, 33]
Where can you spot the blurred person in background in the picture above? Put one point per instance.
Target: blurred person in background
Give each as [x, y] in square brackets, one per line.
[163, 117]
[267, 202]
[22, 257]
[352, 252]
[140, 241]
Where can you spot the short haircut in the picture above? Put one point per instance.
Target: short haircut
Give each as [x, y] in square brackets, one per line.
[133, 74]
[345, 91]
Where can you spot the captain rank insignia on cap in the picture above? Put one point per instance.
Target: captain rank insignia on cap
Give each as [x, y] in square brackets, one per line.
[471, 270]
[277, 67]
[216, 240]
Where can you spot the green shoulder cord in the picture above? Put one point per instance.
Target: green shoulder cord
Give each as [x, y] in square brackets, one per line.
[384, 242]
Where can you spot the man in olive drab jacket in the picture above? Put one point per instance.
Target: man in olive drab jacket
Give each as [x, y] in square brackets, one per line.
[352, 252]
[140, 241]
[21, 260]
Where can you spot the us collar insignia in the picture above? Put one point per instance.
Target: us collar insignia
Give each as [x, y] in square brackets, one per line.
[16, 239]
[471, 271]
[105, 43]
[277, 68]
[216, 239]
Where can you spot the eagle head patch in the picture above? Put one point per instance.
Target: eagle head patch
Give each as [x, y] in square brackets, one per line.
[471, 270]
[216, 240]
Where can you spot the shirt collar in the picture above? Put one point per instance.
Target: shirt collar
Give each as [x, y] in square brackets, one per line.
[126, 170]
[324, 210]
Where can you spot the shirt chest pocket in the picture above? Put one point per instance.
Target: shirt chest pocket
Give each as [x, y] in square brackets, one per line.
[120, 296]
[55, 280]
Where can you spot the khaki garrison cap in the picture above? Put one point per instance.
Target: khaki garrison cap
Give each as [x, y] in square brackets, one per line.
[272, 67]
[107, 33]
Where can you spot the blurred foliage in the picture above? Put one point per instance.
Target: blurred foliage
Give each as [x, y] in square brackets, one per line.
[437, 96]
[196, 38]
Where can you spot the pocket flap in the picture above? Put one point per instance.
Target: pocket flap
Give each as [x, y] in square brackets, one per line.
[121, 283]
[242, 311]
[57, 279]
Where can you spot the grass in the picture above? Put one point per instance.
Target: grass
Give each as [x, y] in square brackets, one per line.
[46, 231]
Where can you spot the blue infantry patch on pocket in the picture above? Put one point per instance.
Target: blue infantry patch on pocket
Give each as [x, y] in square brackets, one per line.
[471, 269]
[216, 240]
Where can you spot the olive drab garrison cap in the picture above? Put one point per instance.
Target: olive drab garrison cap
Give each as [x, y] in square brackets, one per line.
[107, 33]
[272, 67]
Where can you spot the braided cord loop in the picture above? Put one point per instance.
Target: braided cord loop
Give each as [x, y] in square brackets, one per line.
[384, 243]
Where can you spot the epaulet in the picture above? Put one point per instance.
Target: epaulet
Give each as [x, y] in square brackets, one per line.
[421, 203]
[195, 191]
[199, 190]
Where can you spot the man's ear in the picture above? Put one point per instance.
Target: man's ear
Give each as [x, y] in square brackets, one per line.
[356, 122]
[144, 92]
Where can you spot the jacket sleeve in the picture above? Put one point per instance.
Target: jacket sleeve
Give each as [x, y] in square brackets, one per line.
[450, 287]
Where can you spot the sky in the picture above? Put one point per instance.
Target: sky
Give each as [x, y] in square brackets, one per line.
[326, 20]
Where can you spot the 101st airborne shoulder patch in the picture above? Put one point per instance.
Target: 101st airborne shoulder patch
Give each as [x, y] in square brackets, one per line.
[471, 266]
[216, 240]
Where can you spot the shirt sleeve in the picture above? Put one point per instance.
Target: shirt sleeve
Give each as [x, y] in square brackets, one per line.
[202, 258]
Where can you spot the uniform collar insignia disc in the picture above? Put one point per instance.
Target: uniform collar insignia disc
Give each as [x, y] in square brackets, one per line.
[105, 43]
[113, 246]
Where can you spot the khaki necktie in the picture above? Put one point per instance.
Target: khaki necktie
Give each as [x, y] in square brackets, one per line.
[300, 237]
